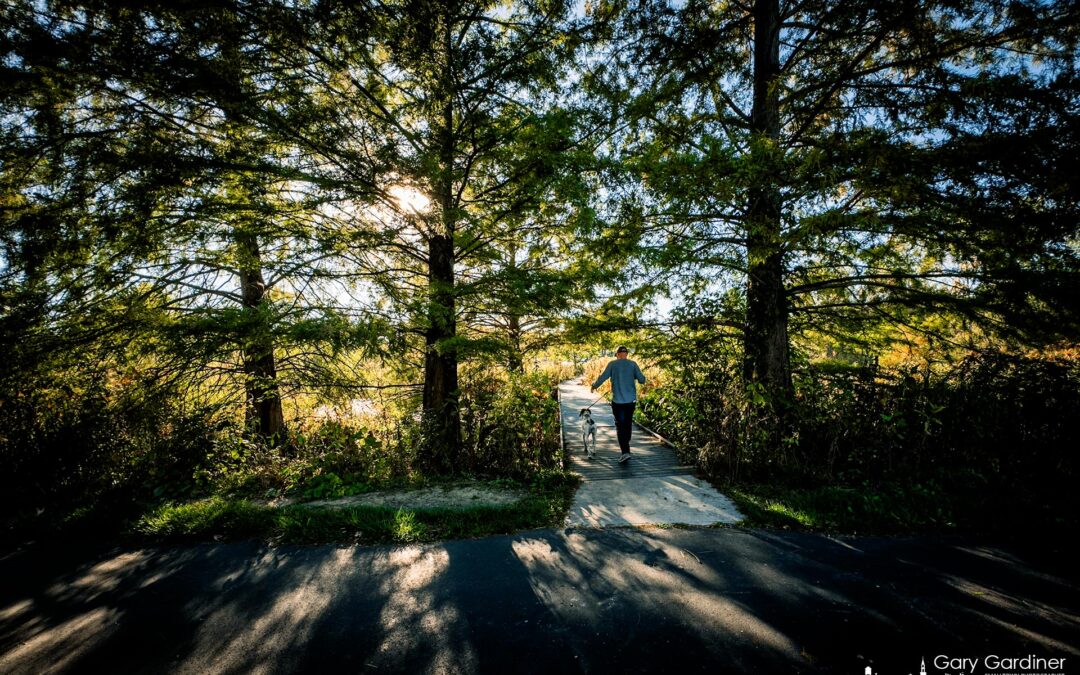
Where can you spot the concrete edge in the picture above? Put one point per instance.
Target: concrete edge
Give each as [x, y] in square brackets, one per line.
[718, 525]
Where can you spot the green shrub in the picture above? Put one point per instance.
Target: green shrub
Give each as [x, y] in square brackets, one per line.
[510, 426]
[320, 459]
[73, 437]
[984, 424]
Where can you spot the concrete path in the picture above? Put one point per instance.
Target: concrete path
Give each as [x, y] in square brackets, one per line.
[653, 488]
[727, 600]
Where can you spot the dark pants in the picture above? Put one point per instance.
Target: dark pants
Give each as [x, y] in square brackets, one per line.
[624, 423]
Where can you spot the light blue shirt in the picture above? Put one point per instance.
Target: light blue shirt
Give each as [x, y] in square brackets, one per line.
[623, 373]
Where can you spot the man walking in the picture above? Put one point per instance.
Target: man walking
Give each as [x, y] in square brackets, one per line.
[624, 375]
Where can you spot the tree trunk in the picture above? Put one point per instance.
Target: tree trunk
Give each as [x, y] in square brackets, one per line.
[766, 359]
[441, 412]
[263, 410]
[440, 364]
[514, 361]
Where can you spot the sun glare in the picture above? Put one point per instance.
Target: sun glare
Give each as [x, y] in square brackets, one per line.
[410, 199]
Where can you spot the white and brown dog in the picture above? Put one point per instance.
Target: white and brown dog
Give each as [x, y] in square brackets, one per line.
[588, 432]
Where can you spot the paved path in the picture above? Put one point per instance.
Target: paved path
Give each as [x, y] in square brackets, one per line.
[653, 488]
[728, 600]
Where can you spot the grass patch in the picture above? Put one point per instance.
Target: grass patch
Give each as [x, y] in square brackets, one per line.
[239, 518]
[895, 508]
[891, 509]
[835, 509]
[220, 518]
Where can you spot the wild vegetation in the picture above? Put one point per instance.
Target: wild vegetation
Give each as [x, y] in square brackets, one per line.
[253, 248]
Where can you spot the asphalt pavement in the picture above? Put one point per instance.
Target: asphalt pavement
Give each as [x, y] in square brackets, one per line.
[616, 600]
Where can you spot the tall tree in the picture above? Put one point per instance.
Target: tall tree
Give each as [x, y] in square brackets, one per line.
[412, 102]
[812, 158]
[766, 337]
[180, 190]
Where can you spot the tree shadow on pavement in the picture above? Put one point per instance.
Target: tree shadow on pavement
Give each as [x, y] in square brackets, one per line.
[613, 600]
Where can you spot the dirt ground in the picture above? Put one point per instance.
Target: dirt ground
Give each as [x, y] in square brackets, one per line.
[436, 497]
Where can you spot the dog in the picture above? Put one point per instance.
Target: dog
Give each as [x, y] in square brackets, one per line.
[588, 432]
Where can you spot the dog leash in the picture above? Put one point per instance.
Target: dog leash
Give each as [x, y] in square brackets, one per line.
[589, 407]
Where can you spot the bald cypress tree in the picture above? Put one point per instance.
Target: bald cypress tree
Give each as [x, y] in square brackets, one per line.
[829, 166]
[425, 97]
[373, 146]
[182, 205]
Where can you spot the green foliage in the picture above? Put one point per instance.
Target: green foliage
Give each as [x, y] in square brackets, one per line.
[77, 436]
[510, 430]
[918, 163]
[212, 191]
[319, 460]
[986, 426]
[71, 442]
[329, 486]
[510, 425]
[707, 407]
[239, 519]
[988, 420]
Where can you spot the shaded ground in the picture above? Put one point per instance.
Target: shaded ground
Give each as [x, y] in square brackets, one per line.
[611, 600]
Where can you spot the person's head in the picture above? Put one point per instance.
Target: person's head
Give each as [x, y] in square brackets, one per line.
[622, 352]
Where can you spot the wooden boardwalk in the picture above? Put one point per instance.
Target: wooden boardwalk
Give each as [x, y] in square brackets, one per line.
[649, 455]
